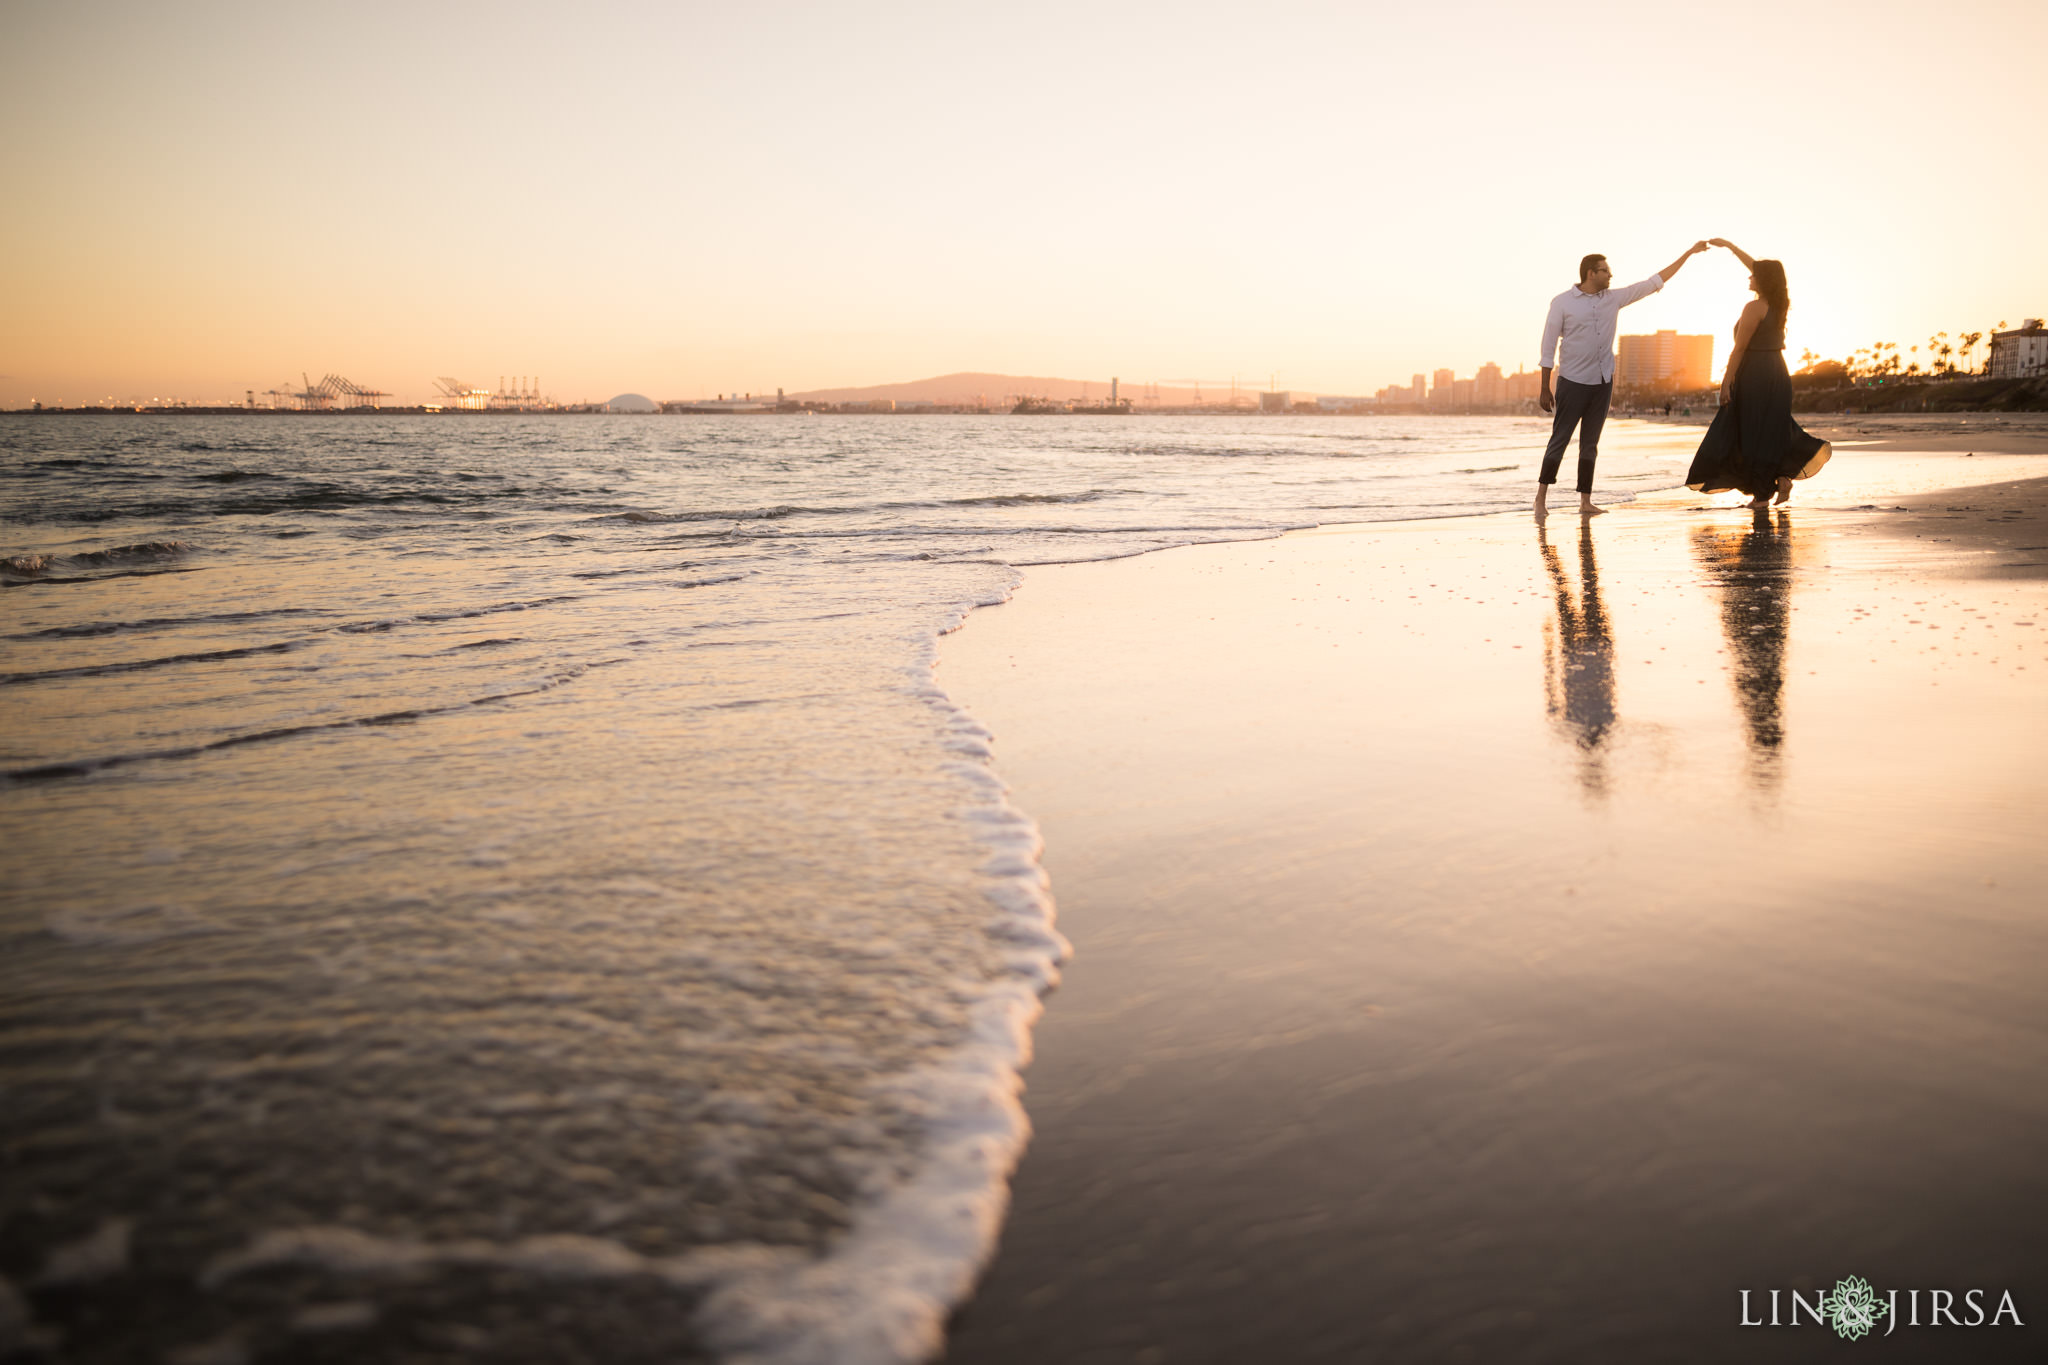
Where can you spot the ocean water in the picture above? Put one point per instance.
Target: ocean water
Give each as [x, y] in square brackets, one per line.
[511, 888]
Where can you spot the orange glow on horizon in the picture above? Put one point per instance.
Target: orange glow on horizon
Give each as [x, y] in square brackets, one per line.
[1336, 196]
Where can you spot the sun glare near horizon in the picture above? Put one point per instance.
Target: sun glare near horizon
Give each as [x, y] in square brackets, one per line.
[679, 200]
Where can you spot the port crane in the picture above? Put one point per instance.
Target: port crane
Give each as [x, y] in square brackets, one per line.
[328, 394]
[362, 397]
[461, 395]
[315, 397]
[1199, 384]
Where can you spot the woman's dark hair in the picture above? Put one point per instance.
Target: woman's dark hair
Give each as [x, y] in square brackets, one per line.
[1770, 285]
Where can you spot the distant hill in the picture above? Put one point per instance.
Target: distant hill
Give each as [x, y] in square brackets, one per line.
[992, 389]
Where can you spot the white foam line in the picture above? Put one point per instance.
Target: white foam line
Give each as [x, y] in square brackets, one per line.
[880, 1295]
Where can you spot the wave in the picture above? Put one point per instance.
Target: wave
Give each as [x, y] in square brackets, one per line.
[643, 517]
[156, 623]
[83, 767]
[38, 570]
[255, 494]
[139, 665]
[437, 617]
[1018, 499]
[40, 582]
[635, 569]
[92, 559]
[121, 554]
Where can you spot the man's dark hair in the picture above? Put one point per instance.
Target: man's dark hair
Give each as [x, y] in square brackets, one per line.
[1586, 264]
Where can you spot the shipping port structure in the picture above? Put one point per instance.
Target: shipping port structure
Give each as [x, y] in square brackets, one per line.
[521, 395]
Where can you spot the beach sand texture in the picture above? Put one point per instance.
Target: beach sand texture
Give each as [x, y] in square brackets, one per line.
[1507, 944]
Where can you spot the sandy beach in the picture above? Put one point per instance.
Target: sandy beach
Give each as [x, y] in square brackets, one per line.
[1511, 943]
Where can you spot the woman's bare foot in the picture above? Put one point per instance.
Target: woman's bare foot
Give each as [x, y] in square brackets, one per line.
[1759, 504]
[1784, 490]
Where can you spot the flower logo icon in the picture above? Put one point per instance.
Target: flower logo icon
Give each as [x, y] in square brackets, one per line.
[1852, 1309]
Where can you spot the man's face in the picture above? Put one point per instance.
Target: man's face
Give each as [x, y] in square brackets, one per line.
[1597, 278]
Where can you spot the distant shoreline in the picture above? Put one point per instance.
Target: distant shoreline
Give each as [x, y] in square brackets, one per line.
[1976, 394]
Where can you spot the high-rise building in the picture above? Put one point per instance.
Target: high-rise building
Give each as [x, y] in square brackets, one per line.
[1524, 385]
[1489, 388]
[1461, 393]
[1418, 391]
[1442, 393]
[1666, 360]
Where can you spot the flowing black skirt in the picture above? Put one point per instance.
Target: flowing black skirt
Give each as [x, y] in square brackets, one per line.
[1753, 441]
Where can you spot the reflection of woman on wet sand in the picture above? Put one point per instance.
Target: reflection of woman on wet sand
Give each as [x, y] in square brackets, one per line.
[1753, 570]
[1578, 660]
[1754, 444]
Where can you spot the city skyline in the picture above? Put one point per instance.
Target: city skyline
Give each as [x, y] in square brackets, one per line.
[1488, 384]
[648, 198]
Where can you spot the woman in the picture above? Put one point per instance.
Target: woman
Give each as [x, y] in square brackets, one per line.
[1754, 444]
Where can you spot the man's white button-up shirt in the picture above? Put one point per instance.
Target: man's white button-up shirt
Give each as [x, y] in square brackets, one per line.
[1585, 324]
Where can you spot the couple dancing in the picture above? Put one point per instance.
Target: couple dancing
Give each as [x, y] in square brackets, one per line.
[1753, 443]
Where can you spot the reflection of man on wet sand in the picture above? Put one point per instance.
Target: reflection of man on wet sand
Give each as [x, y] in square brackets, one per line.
[1578, 660]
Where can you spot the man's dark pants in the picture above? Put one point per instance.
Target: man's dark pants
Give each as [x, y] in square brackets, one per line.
[1577, 403]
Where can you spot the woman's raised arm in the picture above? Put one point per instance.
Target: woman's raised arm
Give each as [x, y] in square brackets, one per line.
[1740, 254]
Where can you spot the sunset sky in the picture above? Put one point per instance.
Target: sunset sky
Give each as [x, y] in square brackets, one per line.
[681, 199]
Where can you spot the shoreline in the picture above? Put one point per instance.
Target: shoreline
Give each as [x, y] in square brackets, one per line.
[2025, 424]
[1315, 1011]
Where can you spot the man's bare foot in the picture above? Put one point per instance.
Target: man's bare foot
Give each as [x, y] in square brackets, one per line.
[1587, 509]
[1541, 510]
[1759, 504]
[1784, 490]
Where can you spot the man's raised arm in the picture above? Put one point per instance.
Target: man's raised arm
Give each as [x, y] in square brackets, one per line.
[1668, 271]
[1645, 288]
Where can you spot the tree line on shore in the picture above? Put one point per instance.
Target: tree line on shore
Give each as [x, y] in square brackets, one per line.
[1947, 357]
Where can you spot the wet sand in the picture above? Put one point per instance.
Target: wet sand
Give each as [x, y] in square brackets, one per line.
[1508, 945]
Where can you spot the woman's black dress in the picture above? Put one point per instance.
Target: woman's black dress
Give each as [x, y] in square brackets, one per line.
[1753, 441]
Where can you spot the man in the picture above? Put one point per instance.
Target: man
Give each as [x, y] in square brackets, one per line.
[1582, 318]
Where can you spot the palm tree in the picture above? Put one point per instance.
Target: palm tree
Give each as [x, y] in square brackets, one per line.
[1967, 341]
